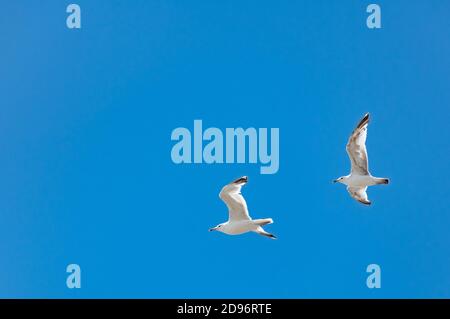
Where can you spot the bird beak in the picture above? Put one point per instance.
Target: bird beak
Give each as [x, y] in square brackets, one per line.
[335, 181]
[214, 228]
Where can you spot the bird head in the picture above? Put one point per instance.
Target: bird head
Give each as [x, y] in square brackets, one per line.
[218, 228]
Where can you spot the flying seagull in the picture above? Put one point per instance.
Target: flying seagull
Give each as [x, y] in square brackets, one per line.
[359, 178]
[239, 221]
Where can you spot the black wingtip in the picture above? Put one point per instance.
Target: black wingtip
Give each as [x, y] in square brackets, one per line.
[364, 120]
[241, 180]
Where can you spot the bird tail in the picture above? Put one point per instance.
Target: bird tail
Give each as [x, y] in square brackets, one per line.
[262, 222]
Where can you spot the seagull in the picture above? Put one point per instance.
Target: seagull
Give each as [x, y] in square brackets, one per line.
[239, 221]
[359, 178]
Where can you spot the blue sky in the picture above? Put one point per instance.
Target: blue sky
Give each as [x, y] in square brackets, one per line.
[87, 178]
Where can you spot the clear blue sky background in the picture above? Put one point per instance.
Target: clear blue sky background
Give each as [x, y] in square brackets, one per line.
[86, 175]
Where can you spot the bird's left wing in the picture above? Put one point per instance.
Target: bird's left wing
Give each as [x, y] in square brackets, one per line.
[231, 195]
[360, 194]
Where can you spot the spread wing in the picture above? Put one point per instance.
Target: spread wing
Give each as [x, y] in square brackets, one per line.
[231, 195]
[356, 148]
[359, 193]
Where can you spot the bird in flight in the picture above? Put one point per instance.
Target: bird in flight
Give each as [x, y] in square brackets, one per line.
[239, 221]
[359, 178]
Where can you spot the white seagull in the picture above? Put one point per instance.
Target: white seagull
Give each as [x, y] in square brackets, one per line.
[359, 178]
[239, 221]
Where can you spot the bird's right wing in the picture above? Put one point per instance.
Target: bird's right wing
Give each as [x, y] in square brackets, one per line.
[356, 148]
[231, 195]
[359, 193]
